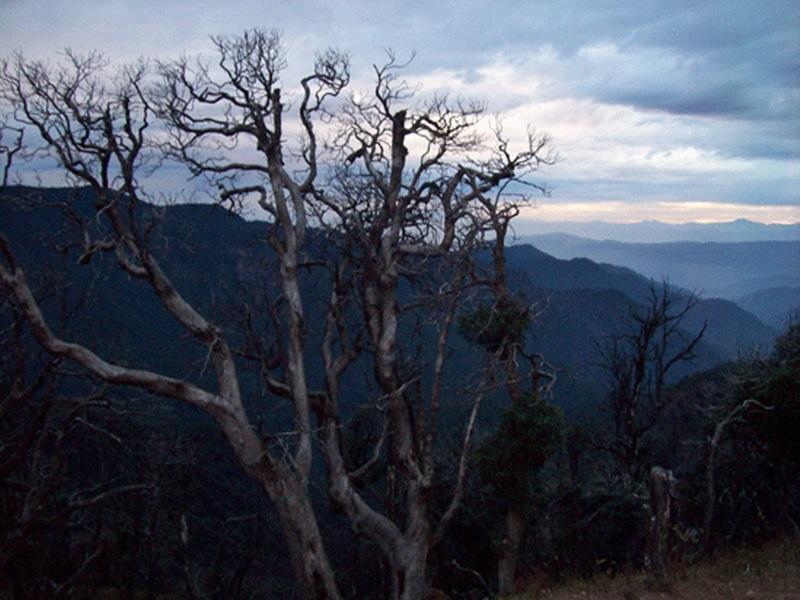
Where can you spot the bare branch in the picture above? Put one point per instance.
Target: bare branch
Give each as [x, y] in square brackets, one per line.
[458, 491]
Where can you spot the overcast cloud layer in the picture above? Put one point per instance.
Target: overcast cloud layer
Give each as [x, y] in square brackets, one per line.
[678, 111]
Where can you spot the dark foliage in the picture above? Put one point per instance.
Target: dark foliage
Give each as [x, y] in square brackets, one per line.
[511, 457]
[576, 524]
[493, 327]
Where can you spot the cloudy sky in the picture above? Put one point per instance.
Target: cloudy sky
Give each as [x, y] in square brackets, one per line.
[676, 111]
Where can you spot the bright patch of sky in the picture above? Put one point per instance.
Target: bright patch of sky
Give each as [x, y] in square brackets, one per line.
[620, 211]
[673, 111]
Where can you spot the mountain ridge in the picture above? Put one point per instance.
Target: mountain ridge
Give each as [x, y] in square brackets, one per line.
[213, 256]
[723, 269]
[653, 231]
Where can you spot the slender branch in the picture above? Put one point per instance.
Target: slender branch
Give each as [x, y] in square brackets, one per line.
[458, 492]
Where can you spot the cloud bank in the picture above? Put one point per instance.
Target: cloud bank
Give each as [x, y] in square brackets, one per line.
[652, 106]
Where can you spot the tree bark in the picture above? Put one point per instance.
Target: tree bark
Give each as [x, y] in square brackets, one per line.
[661, 484]
[409, 577]
[312, 571]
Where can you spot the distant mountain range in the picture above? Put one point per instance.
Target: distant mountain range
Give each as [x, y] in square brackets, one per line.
[218, 260]
[647, 232]
[579, 297]
[725, 270]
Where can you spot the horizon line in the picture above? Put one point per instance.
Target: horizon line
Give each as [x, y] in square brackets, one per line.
[660, 222]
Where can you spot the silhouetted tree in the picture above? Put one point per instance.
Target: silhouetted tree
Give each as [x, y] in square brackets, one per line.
[638, 364]
[530, 428]
[391, 211]
[757, 414]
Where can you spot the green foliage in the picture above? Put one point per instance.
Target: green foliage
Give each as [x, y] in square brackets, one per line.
[776, 384]
[787, 347]
[759, 461]
[509, 460]
[496, 326]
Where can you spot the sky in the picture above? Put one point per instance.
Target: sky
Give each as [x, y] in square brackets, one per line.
[675, 111]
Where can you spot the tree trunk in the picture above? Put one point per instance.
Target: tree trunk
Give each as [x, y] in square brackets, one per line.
[662, 490]
[409, 574]
[509, 555]
[312, 571]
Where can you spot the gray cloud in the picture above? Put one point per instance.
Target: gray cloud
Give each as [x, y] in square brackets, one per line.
[720, 77]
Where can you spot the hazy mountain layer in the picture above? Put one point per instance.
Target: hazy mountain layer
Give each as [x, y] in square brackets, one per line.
[727, 270]
[648, 232]
[774, 306]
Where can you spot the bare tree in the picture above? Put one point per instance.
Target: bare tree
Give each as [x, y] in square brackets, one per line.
[96, 129]
[8, 150]
[48, 503]
[393, 213]
[406, 212]
[638, 364]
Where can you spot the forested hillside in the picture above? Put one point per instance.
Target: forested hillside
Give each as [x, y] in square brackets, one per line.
[366, 394]
[221, 262]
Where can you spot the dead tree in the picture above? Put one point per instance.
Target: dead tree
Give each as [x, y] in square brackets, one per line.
[662, 487]
[392, 214]
[399, 184]
[401, 211]
[9, 148]
[638, 364]
[96, 127]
